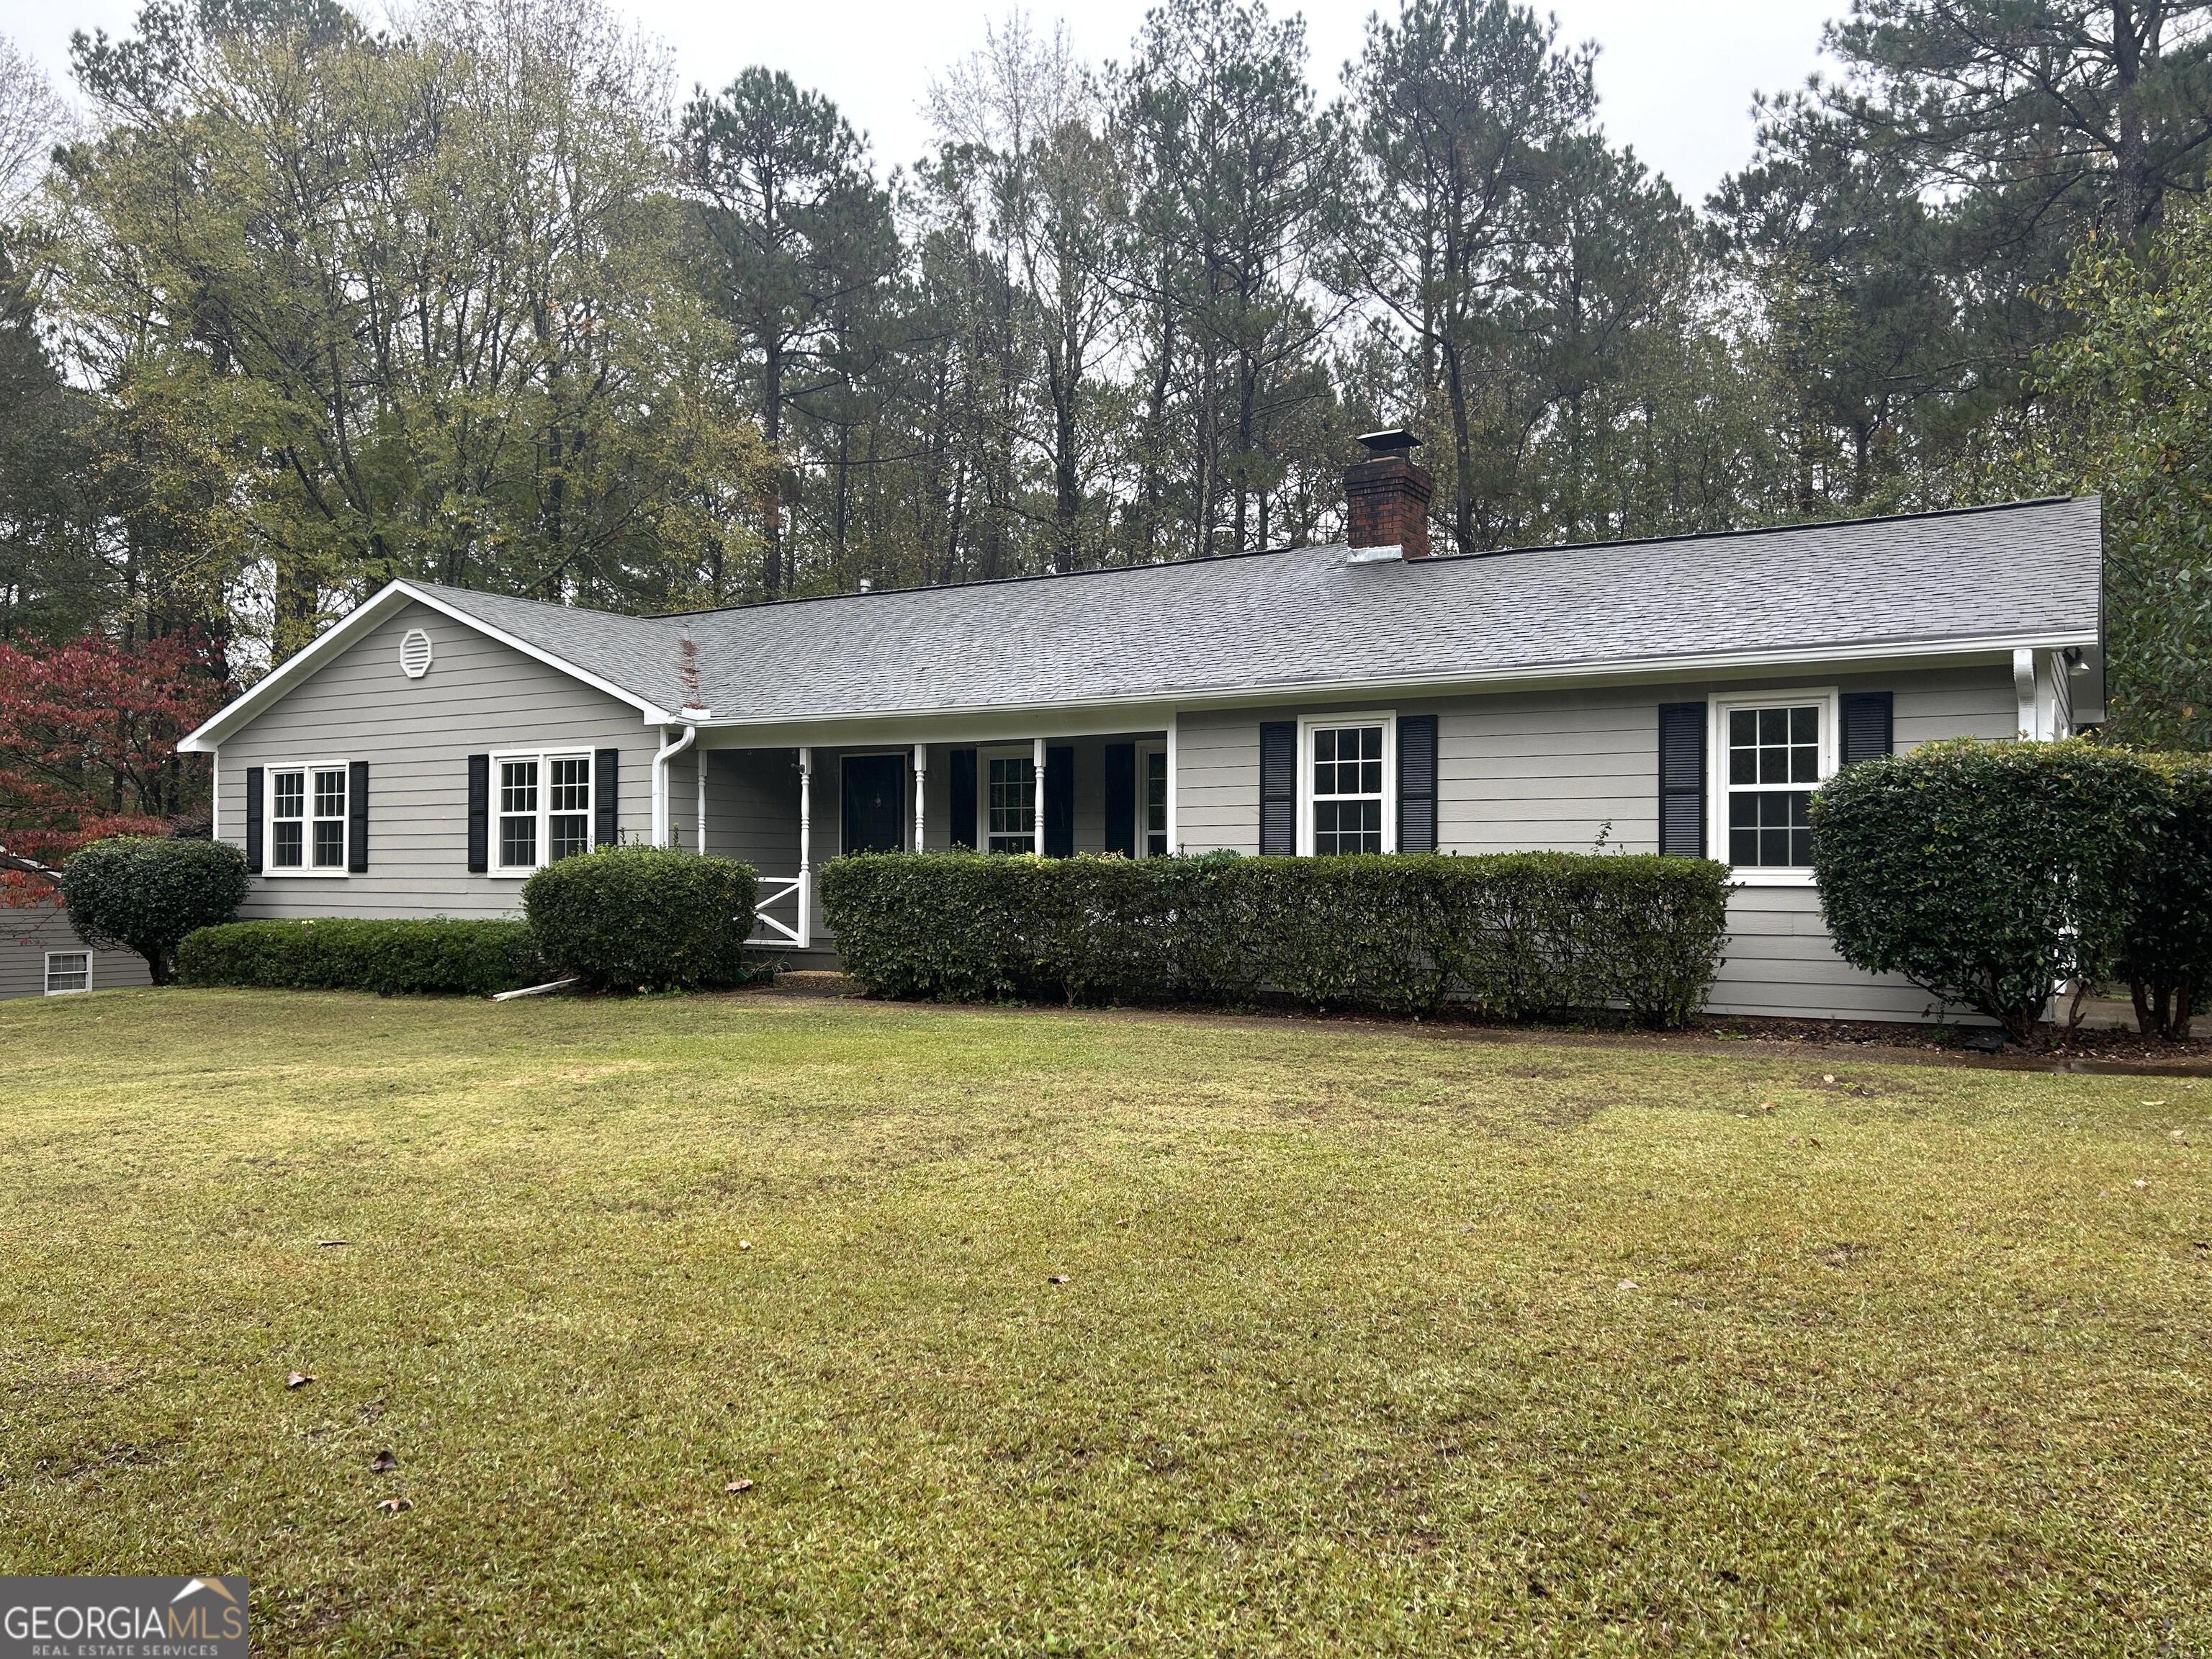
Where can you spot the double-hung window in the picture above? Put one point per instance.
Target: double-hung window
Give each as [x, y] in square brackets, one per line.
[1347, 764]
[67, 971]
[307, 819]
[543, 809]
[1010, 803]
[1771, 753]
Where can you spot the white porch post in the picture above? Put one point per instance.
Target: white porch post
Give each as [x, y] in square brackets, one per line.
[1175, 835]
[1037, 799]
[699, 764]
[2023, 682]
[806, 848]
[920, 772]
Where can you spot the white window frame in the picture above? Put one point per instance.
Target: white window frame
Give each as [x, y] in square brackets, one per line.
[984, 756]
[1145, 750]
[1308, 725]
[1719, 707]
[46, 980]
[306, 866]
[544, 814]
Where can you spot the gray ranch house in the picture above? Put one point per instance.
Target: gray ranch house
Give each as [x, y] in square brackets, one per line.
[1682, 695]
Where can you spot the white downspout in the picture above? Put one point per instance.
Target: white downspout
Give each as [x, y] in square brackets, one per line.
[1037, 797]
[661, 814]
[806, 848]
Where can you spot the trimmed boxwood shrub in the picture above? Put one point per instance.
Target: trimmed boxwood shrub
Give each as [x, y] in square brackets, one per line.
[2166, 952]
[1987, 873]
[391, 958]
[145, 893]
[1521, 934]
[643, 918]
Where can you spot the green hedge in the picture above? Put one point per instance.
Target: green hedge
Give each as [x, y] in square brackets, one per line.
[1520, 934]
[2166, 951]
[471, 958]
[1988, 874]
[643, 918]
[146, 893]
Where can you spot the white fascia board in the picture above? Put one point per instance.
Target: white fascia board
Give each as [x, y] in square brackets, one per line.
[1022, 721]
[203, 738]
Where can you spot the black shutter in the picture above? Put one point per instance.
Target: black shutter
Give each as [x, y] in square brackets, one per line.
[357, 818]
[1416, 783]
[254, 806]
[1682, 779]
[1278, 789]
[1060, 803]
[1867, 724]
[479, 813]
[1121, 798]
[606, 797]
[960, 783]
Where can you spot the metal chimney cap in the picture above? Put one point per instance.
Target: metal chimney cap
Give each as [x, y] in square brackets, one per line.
[1391, 440]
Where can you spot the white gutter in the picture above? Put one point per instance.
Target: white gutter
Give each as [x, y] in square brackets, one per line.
[1020, 721]
[666, 753]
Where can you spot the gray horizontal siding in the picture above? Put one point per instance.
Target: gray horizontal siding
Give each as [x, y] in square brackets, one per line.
[417, 736]
[26, 935]
[1556, 770]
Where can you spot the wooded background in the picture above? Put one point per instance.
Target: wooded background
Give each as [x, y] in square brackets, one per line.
[289, 307]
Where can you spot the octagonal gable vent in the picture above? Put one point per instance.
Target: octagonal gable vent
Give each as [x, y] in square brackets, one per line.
[415, 653]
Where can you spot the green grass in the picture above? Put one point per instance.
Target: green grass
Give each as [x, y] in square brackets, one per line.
[1371, 1341]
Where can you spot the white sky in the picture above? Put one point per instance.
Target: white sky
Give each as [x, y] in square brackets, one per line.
[1675, 76]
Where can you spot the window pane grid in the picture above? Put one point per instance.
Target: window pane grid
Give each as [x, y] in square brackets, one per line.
[1773, 762]
[1011, 804]
[1155, 803]
[68, 970]
[1348, 789]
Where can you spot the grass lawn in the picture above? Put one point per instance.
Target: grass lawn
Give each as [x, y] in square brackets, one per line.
[1370, 1339]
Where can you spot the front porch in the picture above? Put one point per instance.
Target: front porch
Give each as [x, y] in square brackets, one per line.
[786, 811]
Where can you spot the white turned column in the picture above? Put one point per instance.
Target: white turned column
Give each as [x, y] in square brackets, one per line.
[699, 764]
[920, 773]
[1175, 830]
[1036, 801]
[806, 848]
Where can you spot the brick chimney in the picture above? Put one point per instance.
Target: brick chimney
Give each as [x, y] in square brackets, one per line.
[1386, 500]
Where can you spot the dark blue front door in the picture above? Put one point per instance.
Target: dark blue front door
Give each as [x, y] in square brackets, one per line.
[875, 803]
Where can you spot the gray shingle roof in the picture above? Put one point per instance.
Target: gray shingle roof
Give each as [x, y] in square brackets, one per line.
[1277, 621]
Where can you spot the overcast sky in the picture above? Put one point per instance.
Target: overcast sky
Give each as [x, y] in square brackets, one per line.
[1676, 75]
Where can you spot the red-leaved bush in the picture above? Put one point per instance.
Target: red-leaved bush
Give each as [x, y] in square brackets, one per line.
[88, 732]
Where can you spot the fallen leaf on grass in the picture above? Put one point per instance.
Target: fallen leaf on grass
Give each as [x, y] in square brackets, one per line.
[2150, 1103]
[738, 1485]
[330, 1244]
[297, 1379]
[1056, 1278]
[1626, 1284]
[395, 1506]
[383, 1463]
[744, 1243]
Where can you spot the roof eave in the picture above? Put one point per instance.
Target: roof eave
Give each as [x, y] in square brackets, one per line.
[1859, 655]
[249, 705]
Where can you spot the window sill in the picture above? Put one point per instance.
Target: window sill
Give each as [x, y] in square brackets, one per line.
[306, 875]
[1757, 877]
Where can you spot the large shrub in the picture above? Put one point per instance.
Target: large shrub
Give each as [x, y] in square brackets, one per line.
[1521, 934]
[631, 918]
[2166, 952]
[144, 893]
[391, 958]
[1987, 873]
